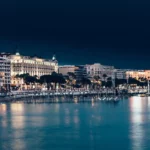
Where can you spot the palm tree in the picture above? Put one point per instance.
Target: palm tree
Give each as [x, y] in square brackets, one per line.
[85, 82]
[71, 78]
[109, 79]
[30, 80]
[46, 79]
[109, 82]
[57, 78]
[17, 76]
[97, 78]
[53, 78]
[120, 81]
[104, 76]
[96, 82]
[71, 75]
[133, 81]
[23, 77]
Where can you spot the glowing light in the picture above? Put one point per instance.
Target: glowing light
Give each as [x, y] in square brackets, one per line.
[76, 101]
[18, 118]
[148, 102]
[17, 107]
[137, 133]
[92, 102]
[76, 119]
[3, 108]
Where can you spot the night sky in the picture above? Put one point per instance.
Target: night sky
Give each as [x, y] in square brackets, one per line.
[112, 32]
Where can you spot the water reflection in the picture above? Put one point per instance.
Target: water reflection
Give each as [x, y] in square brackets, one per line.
[76, 100]
[76, 117]
[18, 118]
[149, 102]
[17, 123]
[12, 123]
[92, 102]
[18, 144]
[75, 126]
[137, 107]
[2, 108]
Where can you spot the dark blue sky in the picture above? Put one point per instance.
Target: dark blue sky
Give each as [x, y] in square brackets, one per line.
[113, 32]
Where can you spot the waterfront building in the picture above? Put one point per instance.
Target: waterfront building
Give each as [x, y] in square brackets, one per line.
[80, 72]
[120, 73]
[147, 74]
[99, 70]
[138, 74]
[66, 68]
[35, 66]
[4, 74]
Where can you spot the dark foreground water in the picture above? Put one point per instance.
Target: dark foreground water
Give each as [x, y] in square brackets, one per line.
[70, 126]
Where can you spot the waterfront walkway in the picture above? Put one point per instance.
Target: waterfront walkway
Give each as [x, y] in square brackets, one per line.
[20, 95]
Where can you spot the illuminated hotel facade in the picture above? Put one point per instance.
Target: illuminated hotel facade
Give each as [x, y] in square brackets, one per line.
[33, 65]
[137, 74]
[5, 74]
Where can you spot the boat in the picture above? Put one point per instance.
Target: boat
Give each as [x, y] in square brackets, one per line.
[110, 98]
[104, 98]
[116, 99]
[99, 99]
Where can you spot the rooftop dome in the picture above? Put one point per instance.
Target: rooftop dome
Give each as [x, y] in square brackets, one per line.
[53, 58]
[17, 53]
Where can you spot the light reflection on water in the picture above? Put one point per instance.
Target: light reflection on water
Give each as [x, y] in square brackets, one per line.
[137, 132]
[18, 117]
[65, 126]
[139, 112]
[149, 102]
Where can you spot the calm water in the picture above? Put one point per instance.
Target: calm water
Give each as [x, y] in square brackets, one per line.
[70, 126]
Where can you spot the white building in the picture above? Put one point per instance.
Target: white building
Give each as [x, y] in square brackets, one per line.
[120, 73]
[99, 70]
[33, 65]
[66, 68]
[4, 73]
[137, 74]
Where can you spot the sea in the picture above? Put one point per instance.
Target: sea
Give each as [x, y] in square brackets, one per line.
[124, 125]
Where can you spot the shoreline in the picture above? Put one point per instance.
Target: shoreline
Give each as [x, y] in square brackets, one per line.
[61, 99]
[51, 96]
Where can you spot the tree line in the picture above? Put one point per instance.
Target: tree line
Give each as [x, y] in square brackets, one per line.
[70, 80]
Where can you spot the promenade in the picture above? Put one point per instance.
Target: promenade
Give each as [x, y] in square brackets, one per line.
[31, 94]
